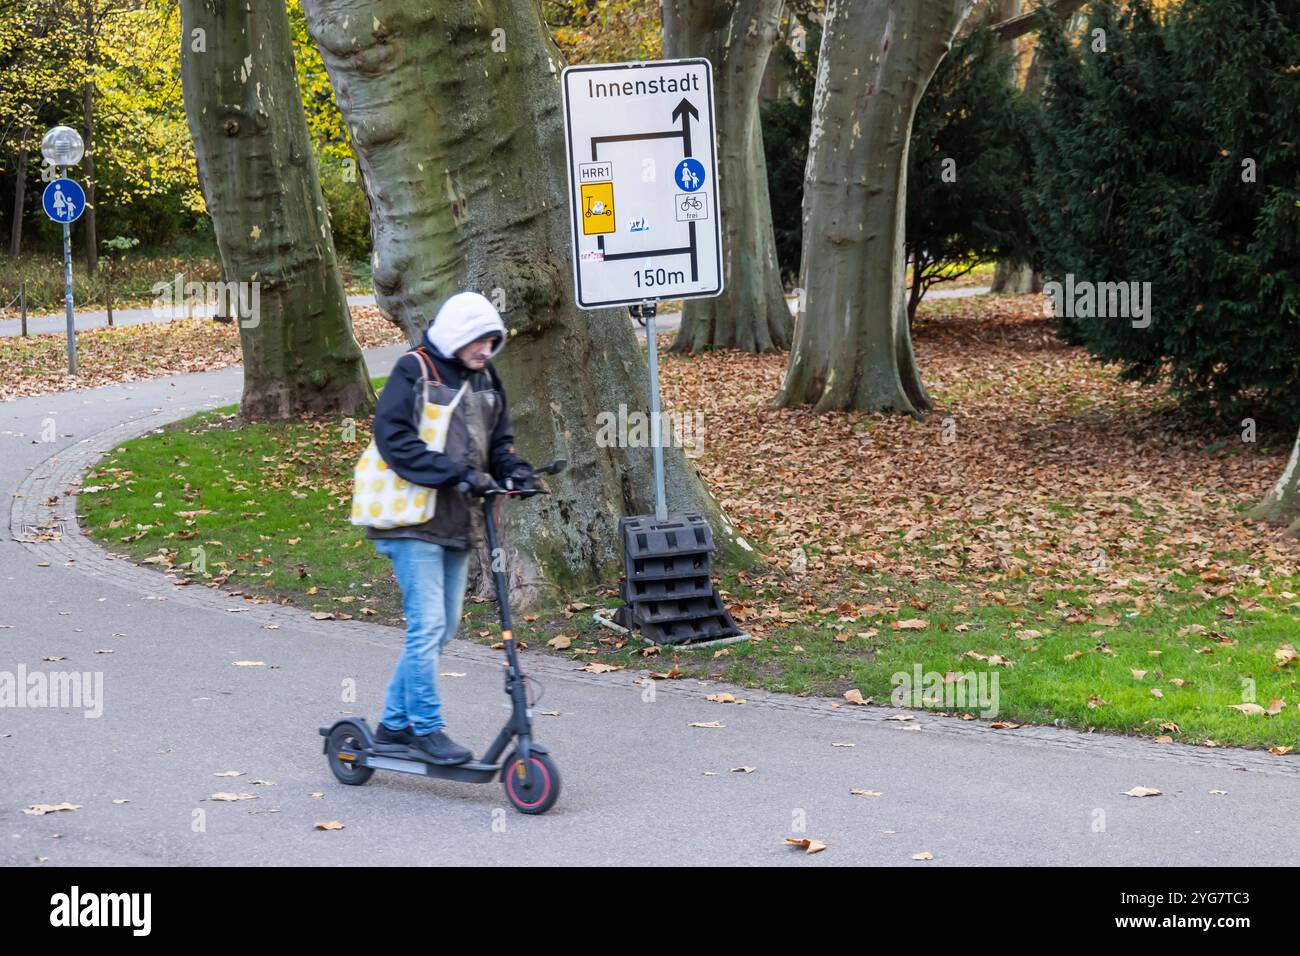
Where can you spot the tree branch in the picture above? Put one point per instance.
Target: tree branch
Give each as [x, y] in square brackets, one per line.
[1026, 22]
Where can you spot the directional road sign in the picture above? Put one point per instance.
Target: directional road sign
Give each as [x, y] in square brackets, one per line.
[643, 182]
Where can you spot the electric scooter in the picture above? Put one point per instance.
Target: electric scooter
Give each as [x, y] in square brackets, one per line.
[529, 775]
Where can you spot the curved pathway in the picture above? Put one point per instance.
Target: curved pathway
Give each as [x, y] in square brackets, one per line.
[640, 786]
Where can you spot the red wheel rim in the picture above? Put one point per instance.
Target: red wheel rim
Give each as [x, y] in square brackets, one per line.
[546, 783]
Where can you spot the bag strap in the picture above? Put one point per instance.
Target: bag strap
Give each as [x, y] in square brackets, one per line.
[430, 370]
[459, 395]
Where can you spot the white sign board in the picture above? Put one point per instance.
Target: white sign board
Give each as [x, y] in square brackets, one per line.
[643, 182]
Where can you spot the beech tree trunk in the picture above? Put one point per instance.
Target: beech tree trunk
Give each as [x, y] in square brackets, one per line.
[1015, 277]
[853, 344]
[455, 114]
[1011, 275]
[737, 37]
[259, 179]
[1281, 506]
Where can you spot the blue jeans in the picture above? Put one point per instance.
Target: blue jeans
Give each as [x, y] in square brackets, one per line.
[432, 579]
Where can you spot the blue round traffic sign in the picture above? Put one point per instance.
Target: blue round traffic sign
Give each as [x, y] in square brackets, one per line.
[689, 174]
[64, 200]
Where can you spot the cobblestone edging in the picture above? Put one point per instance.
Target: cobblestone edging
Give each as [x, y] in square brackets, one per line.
[61, 475]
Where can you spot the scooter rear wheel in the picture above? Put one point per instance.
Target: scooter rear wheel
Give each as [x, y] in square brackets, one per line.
[345, 745]
[545, 789]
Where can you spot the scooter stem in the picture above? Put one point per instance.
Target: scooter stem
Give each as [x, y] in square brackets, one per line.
[498, 572]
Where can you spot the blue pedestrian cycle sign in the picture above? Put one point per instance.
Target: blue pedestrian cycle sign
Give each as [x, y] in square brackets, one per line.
[64, 200]
[689, 174]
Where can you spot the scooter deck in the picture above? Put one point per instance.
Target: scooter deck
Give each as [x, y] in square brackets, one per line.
[398, 757]
[400, 762]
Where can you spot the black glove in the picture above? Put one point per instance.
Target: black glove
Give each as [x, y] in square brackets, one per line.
[521, 477]
[478, 483]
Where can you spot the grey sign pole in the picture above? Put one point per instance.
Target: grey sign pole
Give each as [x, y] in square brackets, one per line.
[62, 147]
[67, 292]
[646, 311]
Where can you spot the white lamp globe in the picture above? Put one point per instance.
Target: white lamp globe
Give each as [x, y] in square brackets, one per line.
[62, 146]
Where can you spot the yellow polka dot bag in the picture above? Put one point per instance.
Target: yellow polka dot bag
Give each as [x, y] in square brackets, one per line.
[382, 499]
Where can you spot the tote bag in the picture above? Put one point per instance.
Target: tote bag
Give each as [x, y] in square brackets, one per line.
[380, 497]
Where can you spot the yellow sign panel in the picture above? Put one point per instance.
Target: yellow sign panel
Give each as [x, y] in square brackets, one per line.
[597, 208]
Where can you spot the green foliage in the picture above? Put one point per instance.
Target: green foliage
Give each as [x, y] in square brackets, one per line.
[125, 50]
[146, 181]
[120, 243]
[38, 48]
[605, 31]
[1142, 172]
[348, 209]
[967, 164]
[324, 121]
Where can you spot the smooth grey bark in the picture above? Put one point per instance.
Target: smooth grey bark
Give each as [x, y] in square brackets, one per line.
[853, 345]
[258, 176]
[1015, 277]
[1010, 275]
[455, 113]
[1281, 506]
[737, 37]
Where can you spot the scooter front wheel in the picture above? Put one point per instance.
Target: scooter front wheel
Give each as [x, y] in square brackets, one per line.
[344, 747]
[545, 788]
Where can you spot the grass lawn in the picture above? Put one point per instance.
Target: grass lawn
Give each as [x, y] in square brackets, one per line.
[1047, 525]
[980, 275]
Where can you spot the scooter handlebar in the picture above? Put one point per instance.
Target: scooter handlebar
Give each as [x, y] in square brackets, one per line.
[554, 468]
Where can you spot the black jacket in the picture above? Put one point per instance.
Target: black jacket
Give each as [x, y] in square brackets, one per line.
[396, 436]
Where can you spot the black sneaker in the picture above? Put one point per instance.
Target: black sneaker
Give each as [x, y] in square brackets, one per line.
[385, 737]
[436, 747]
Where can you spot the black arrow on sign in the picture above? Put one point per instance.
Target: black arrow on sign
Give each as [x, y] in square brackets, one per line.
[684, 108]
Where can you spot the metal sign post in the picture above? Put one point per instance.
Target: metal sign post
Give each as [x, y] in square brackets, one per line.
[645, 312]
[67, 294]
[64, 201]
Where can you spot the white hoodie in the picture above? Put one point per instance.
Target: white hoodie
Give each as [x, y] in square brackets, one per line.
[464, 318]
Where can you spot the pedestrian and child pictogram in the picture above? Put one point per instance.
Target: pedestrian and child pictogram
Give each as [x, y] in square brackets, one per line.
[64, 200]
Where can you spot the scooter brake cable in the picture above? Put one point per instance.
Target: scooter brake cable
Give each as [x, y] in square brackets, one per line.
[528, 687]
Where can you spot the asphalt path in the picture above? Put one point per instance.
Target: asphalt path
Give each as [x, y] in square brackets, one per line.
[640, 785]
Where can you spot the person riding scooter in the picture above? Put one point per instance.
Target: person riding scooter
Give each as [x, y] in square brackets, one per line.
[431, 559]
